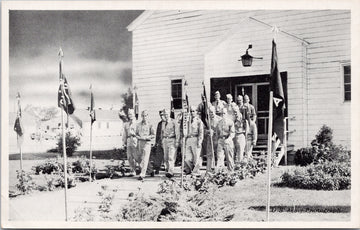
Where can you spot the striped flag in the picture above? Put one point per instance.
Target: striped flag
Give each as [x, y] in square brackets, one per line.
[136, 106]
[204, 113]
[64, 96]
[278, 99]
[92, 105]
[18, 128]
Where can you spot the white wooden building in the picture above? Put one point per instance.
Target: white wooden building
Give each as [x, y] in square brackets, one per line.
[314, 53]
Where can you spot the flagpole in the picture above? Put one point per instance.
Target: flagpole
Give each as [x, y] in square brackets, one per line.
[63, 137]
[209, 125]
[269, 156]
[91, 126]
[21, 155]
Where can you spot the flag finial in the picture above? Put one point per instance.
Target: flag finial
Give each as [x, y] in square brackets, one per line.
[61, 53]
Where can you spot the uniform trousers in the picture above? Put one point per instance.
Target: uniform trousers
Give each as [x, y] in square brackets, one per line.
[144, 152]
[225, 149]
[249, 146]
[192, 155]
[132, 153]
[239, 142]
[168, 145]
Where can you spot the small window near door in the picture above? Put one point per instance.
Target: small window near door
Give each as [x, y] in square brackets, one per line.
[347, 82]
[176, 93]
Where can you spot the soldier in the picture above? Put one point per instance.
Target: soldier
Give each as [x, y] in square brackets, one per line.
[130, 141]
[251, 137]
[218, 103]
[225, 133]
[250, 108]
[157, 152]
[145, 134]
[230, 106]
[193, 144]
[170, 142]
[242, 108]
[210, 133]
[241, 130]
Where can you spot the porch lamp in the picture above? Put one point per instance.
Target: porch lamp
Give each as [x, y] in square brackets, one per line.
[247, 59]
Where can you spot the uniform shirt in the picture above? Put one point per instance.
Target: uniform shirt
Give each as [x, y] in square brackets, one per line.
[218, 105]
[196, 128]
[250, 110]
[130, 131]
[171, 129]
[244, 112]
[230, 110]
[213, 122]
[241, 126]
[145, 130]
[252, 134]
[225, 128]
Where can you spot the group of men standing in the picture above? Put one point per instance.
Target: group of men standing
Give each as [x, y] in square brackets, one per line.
[230, 127]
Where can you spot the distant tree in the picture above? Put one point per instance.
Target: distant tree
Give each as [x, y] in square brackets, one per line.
[42, 113]
[127, 100]
[72, 143]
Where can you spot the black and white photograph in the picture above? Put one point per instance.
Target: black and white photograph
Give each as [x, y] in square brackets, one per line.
[118, 114]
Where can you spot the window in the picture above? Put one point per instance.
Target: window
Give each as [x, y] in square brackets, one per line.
[176, 93]
[347, 82]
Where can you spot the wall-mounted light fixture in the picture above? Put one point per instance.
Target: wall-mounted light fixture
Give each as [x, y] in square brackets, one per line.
[247, 59]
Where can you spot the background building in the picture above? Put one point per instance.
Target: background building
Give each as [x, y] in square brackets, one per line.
[314, 47]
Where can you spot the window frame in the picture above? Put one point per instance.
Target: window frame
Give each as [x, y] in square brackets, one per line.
[177, 77]
[342, 72]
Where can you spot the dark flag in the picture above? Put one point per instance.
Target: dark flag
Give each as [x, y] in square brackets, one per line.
[278, 99]
[136, 106]
[204, 115]
[64, 97]
[172, 109]
[18, 128]
[92, 105]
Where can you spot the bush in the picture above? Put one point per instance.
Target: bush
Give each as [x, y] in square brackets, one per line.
[324, 176]
[25, 182]
[72, 143]
[322, 149]
[50, 167]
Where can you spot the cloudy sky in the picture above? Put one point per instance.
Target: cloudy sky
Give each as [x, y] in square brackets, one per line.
[97, 51]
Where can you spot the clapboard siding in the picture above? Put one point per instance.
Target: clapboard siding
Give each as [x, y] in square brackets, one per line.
[185, 43]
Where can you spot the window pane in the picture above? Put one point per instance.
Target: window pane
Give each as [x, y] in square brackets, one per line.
[347, 78]
[177, 103]
[347, 69]
[347, 88]
[347, 96]
[176, 93]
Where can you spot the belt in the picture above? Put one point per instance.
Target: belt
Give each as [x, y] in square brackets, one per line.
[239, 133]
[169, 137]
[192, 136]
[223, 137]
[131, 136]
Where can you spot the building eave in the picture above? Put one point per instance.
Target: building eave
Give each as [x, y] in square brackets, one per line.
[139, 20]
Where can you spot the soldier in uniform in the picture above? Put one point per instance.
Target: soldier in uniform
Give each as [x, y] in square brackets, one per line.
[193, 144]
[218, 103]
[170, 142]
[210, 133]
[225, 132]
[251, 138]
[250, 108]
[145, 134]
[157, 152]
[241, 130]
[242, 108]
[131, 142]
[230, 106]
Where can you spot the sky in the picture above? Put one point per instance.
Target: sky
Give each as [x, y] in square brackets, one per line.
[97, 51]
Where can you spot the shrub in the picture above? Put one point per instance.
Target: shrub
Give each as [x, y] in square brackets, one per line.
[324, 176]
[25, 182]
[323, 137]
[72, 143]
[82, 165]
[50, 167]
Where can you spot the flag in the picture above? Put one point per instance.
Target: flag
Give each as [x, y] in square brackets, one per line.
[172, 109]
[136, 106]
[185, 115]
[204, 115]
[92, 105]
[18, 128]
[64, 97]
[278, 99]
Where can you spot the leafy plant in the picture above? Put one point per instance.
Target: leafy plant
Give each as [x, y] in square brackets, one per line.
[25, 182]
[72, 143]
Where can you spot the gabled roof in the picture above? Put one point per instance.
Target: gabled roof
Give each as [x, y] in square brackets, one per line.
[139, 20]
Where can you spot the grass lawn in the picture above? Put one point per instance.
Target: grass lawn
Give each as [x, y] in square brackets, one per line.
[248, 196]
